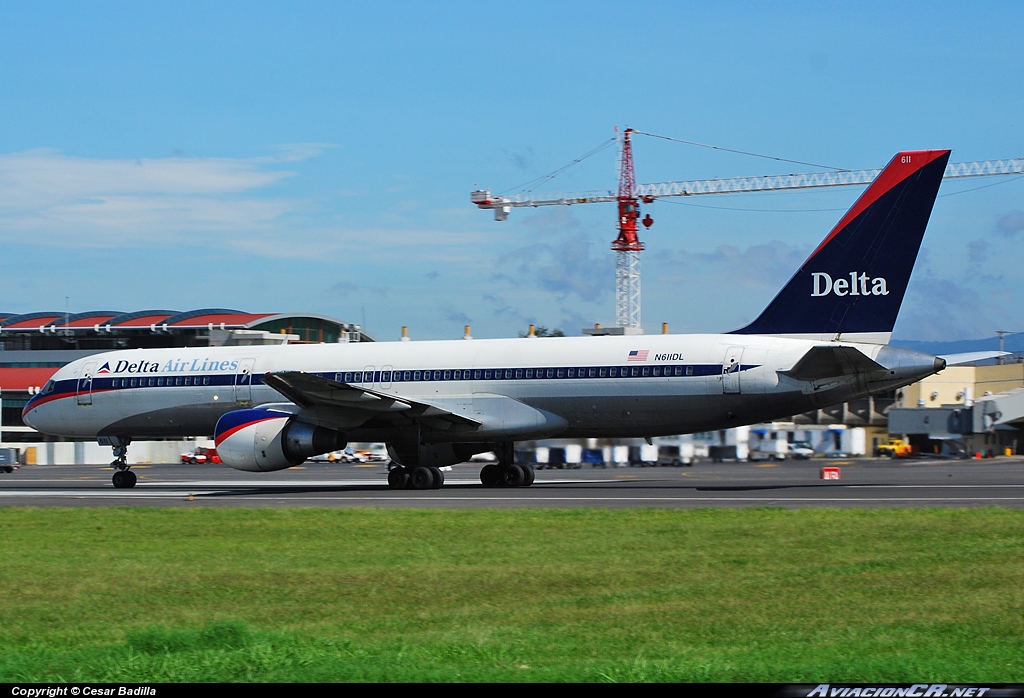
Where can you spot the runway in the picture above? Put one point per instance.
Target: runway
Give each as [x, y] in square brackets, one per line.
[865, 482]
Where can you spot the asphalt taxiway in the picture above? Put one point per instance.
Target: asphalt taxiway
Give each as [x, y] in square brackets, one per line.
[864, 482]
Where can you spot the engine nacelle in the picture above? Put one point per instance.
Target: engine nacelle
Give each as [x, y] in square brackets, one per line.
[260, 440]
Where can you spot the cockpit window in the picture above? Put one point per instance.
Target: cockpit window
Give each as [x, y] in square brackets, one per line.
[48, 388]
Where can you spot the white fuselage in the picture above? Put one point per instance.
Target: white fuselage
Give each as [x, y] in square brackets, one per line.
[596, 386]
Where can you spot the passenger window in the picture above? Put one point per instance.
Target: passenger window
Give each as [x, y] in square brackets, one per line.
[416, 375]
[437, 375]
[602, 372]
[385, 376]
[613, 371]
[551, 373]
[519, 373]
[529, 373]
[447, 375]
[647, 370]
[561, 373]
[592, 372]
[689, 370]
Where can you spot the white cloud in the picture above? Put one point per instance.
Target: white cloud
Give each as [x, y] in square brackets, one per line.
[58, 198]
[942, 309]
[1010, 224]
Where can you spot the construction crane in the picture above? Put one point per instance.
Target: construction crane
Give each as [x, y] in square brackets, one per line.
[628, 246]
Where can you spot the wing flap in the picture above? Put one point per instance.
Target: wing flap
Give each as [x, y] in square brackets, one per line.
[309, 389]
[350, 402]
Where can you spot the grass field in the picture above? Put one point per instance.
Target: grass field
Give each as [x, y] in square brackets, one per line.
[523, 595]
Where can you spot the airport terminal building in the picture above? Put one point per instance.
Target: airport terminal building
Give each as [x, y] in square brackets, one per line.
[34, 346]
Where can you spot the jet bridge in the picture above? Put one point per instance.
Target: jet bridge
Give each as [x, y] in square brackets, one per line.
[985, 415]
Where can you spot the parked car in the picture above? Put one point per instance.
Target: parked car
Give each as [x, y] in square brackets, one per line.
[894, 448]
[201, 455]
[801, 450]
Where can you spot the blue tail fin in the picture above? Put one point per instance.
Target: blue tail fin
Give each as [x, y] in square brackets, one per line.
[852, 285]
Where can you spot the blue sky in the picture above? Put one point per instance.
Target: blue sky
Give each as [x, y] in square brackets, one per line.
[319, 156]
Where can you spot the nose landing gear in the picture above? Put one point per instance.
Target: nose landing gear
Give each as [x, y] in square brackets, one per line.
[123, 478]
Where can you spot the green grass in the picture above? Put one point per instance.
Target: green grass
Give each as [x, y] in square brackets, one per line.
[523, 595]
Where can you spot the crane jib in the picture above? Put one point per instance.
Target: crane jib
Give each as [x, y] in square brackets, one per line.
[741, 185]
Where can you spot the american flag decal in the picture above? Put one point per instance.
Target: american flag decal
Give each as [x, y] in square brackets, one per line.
[638, 355]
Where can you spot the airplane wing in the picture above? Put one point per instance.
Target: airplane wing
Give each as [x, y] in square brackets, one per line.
[345, 406]
[831, 362]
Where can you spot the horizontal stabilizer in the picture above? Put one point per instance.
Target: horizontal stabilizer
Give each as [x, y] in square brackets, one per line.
[971, 357]
[831, 362]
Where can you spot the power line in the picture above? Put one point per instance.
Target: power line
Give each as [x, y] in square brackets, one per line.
[740, 152]
[551, 175]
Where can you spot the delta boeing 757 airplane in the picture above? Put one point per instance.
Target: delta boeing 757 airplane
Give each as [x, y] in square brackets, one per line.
[820, 342]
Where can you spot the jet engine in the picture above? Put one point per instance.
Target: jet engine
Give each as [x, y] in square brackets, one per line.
[262, 440]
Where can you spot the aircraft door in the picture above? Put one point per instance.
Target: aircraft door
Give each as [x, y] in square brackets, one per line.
[85, 384]
[243, 381]
[731, 370]
[385, 376]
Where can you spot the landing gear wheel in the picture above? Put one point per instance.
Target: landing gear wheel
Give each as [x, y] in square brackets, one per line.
[528, 475]
[422, 478]
[513, 476]
[438, 478]
[489, 475]
[398, 478]
[124, 479]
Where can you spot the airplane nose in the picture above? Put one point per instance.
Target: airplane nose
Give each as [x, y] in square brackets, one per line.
[26, 412]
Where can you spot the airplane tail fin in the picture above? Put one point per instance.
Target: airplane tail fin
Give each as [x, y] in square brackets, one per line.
[852, 285]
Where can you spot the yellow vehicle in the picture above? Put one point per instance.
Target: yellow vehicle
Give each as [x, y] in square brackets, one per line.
[894, 448]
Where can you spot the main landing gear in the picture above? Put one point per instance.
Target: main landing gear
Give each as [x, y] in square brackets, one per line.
[420, 477]
[123, 477]
[506, 472]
